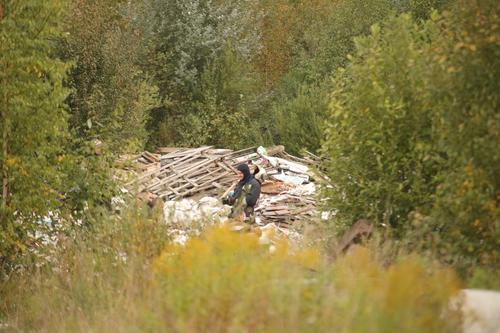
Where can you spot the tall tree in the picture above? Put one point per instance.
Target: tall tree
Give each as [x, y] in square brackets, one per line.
[110, 95]
[33, 122]
[189, 37]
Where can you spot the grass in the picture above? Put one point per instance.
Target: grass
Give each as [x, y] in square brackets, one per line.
[126, 277]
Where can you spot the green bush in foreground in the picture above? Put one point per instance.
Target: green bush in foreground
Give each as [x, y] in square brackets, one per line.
[223, 282]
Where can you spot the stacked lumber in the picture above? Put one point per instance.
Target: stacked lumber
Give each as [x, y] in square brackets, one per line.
[184, 172]
[175, 173]
[295, 203]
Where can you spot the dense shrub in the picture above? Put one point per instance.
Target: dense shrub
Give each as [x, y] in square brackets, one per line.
[300, 119]
[467, 104]
[111, 95]
[379, 137]
[414, 126]
[200, 49]
[320, 39]
[223, 114]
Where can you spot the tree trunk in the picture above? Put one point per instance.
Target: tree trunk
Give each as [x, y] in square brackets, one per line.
[5, 151]
[5, 178]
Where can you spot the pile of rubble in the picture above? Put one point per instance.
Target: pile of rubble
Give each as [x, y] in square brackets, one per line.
[188, 174]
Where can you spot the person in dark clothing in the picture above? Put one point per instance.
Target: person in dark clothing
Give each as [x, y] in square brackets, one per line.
[246, 193]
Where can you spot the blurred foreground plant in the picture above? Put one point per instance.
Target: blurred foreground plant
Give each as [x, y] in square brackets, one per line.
[224, 282]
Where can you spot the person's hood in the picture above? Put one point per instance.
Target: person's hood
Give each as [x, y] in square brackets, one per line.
[246, 173]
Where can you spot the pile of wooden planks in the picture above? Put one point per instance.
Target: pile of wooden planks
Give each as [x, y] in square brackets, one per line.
[285, 208]
[184, 172]
[175, 173]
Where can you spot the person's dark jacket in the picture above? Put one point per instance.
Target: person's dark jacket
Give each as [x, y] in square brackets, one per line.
[253, 195]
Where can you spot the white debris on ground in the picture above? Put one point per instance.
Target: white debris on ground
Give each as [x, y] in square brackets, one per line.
[207, 209]
[192, 182]
[187, 217]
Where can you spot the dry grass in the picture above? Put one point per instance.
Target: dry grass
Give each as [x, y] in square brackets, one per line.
[223, 282]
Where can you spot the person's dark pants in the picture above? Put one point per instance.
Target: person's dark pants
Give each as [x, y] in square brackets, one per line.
[249, 211]
[250, 214]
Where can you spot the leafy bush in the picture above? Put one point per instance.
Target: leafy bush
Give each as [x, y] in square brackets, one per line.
[414, 129]
[200, 49]
[321, 38]
[466, 102]
[300, 119]
[111, 95]
[222, 115]
[379, 137]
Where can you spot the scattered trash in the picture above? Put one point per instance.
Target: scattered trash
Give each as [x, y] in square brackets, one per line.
[207, 209]
[294, 180]
[192, 182]
[207, 171]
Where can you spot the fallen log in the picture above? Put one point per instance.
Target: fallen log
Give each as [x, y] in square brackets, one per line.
[360, 229]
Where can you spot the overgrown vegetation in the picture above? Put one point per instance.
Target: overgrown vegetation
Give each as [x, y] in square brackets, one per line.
[399, 97]
[121, 279]
[414, 118]
[33, 119]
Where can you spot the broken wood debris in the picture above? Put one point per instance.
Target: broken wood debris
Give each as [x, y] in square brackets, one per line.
[361, 229]
[176, 173]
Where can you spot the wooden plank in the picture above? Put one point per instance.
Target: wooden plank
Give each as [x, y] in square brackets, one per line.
[181, 187]
[279, 207]
[182, 163]
[182, 173]
[172, 189]
[150, 157]
[189, 181]
[244, 158]
[215, 184]
[163, 168]
[242, 152]
[167, 150]
[294, 158]
[301, 210]
[204, 186]
[225, 166]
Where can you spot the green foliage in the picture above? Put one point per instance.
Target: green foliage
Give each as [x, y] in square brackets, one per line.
[413, 124]
[321, 39]
[379, 135]
[111, 94]
[321, 43]
[327, 41]
[413, 128]
[468, 131]
[33, 123]
[420, 9]
[222, 116]
[484, 278]
[199, 41]
[300, 119]
[89, 182]
[193, 33]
